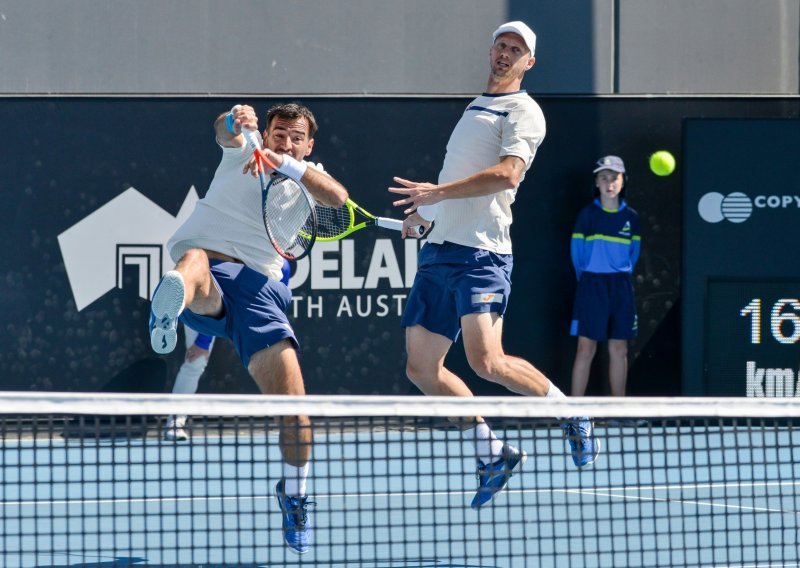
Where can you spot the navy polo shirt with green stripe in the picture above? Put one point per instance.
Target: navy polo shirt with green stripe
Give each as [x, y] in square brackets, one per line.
[606, 241]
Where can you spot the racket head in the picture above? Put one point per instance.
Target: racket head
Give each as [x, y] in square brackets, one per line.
[336, 223]
[333, 223]
[289, 215]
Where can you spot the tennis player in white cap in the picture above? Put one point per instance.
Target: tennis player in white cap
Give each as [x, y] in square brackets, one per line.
[464, 277]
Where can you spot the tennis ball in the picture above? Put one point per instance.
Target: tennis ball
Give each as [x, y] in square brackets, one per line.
[662, 163]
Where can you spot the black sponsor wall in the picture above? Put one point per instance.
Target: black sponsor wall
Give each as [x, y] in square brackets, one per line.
[69, 161]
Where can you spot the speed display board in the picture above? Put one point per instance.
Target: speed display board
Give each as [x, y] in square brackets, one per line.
[741, 258]
[753, 327]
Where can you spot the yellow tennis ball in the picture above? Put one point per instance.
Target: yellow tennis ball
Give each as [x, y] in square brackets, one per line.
[662, 163]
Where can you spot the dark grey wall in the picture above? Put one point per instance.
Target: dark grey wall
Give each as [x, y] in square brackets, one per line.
[374, 47]
[708, 46]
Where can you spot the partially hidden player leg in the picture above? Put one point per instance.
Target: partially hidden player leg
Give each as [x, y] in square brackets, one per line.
[276, 370]
[497, 461]
[186, 381]
[188, 285]
[582, 366]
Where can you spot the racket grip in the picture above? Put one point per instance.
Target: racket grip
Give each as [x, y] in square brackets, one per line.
[252, 139]
[397, 225]
[392, 224]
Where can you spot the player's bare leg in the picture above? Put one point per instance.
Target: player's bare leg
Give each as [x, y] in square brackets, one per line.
[582, 365]
[200, 294]
[190, 285]
[425, 367]
[276, 370]
[483, 334]
[497, 461]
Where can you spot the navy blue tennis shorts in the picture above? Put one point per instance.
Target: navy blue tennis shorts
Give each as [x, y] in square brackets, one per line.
[255, 307]
[453, 281]
[605, 307]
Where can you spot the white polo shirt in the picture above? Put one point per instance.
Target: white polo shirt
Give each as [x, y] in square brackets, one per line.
[229, 220]
[493, 126]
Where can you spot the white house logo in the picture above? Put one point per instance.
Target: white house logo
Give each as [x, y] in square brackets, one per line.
[129, 230]
[737, 207]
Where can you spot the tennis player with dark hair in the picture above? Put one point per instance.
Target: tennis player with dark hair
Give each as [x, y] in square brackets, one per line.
[464, 275]
[605, 246]
[227, 280]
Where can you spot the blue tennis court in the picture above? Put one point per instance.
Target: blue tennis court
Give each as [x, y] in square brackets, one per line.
[660, 495]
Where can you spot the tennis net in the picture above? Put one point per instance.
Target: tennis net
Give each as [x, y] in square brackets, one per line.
[89, 480]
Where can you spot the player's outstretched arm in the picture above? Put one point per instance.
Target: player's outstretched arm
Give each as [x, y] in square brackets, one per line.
[505, 175]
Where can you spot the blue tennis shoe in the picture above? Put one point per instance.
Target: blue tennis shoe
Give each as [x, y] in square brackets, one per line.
[296, 525]
[165, 307]
[583, 444]
[494, 477]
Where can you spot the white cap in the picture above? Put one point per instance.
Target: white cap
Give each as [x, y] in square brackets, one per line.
[521, 29]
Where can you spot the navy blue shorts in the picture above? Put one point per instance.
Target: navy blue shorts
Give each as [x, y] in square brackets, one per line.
[605, 307]
[453, 281]
[254, 310]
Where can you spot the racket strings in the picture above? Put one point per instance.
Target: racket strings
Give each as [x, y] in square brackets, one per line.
[333, 221]
[288, 217]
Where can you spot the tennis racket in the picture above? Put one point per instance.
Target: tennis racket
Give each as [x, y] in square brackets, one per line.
[335, 223]
[288, 210]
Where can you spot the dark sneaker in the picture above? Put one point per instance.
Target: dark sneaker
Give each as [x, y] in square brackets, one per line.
[493, 478]
[294, 514]
[582, 443]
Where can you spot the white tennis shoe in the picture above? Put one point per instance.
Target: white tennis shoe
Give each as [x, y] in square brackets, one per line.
[174, 429]
[165, 307]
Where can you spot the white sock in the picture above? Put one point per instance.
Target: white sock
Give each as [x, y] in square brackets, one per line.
[554, 392]
[186, 382]
[188, 376]
[488, 447]
[294, 480]
[178, 421]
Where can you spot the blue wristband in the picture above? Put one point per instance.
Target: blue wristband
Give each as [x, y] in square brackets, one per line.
[203, 341]
[229, 123]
